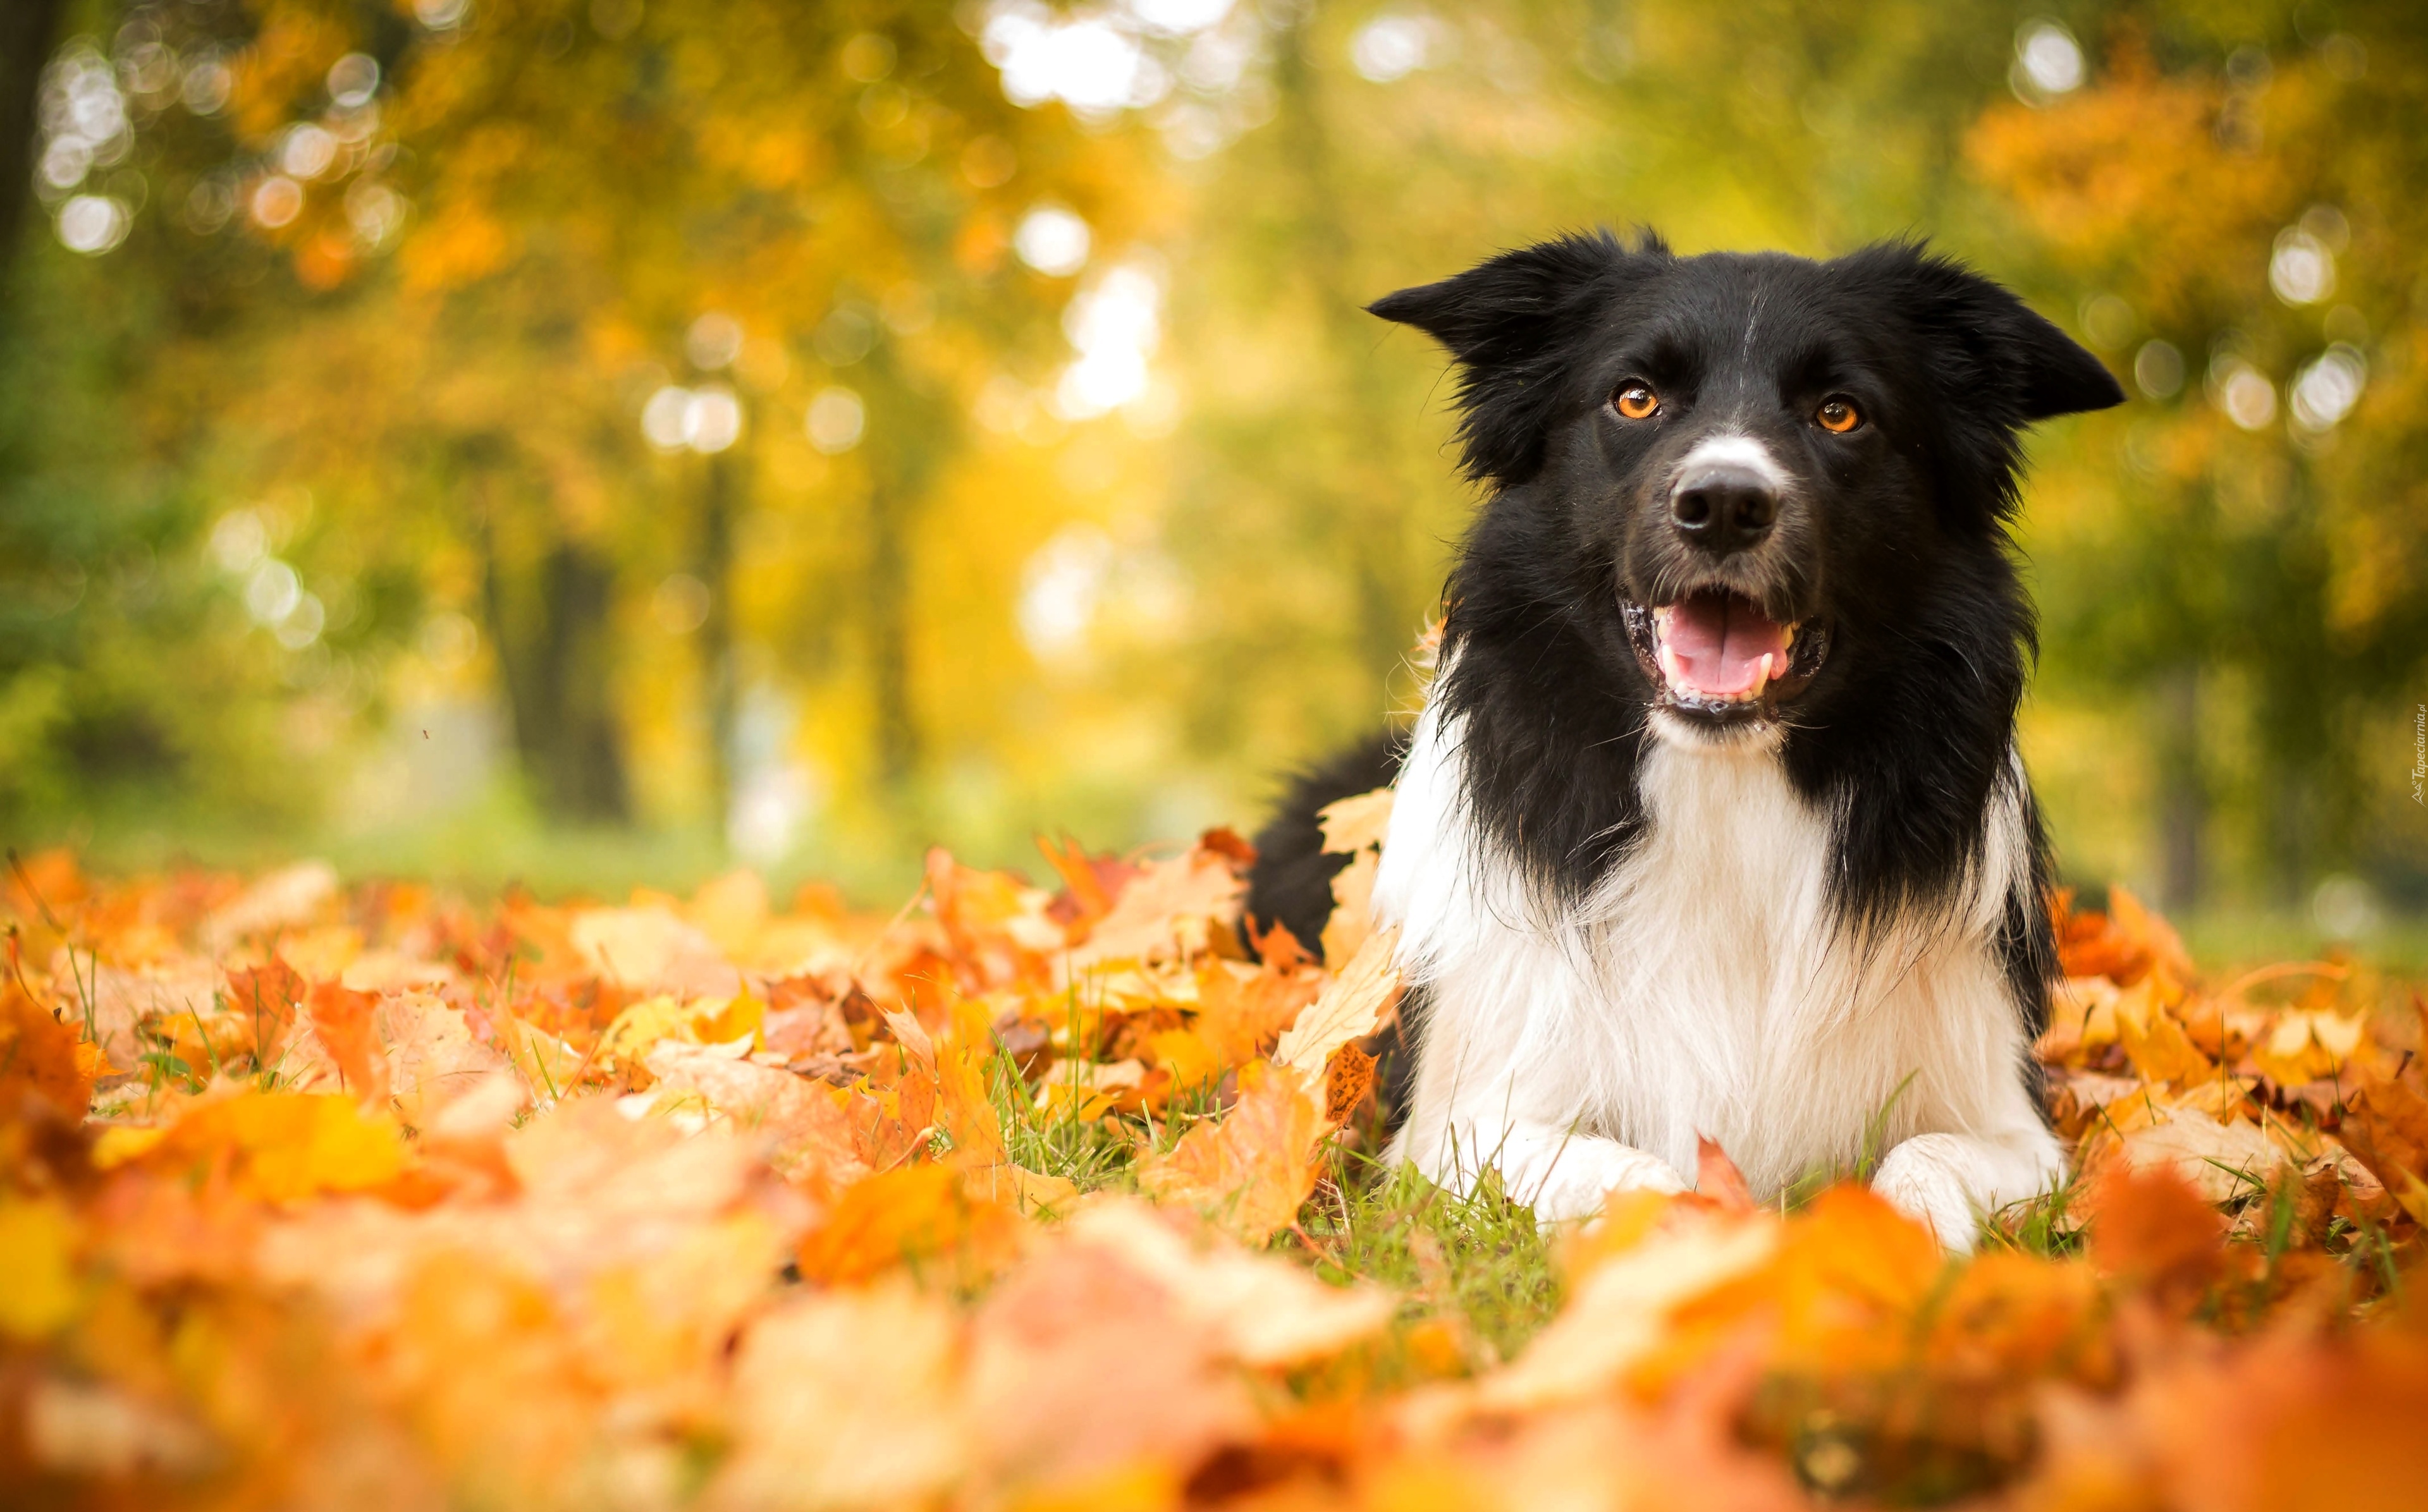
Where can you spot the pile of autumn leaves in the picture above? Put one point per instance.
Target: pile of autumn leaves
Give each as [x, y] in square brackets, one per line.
[319, 1197]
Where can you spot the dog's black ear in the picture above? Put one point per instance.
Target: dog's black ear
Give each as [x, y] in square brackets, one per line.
[1995, 364]
[1503, 320]
[2059, 376]
[1994, 352]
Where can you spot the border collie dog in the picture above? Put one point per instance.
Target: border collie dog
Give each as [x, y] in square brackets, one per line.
[1714, 825]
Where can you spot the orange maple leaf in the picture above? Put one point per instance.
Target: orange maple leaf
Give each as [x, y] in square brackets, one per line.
[1251, 1170]
[343, 1019]
[40, 1056]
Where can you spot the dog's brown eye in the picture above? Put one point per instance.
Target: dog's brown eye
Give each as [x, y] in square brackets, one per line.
[1636, 400]
[1838, 414]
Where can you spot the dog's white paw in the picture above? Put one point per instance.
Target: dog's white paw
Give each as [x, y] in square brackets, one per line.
[1584, 1169]
[1926, 1178]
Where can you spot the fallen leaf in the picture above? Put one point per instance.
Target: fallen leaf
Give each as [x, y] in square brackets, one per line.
[1716, 1177]
[847, 1399]
[37, 1242]
[283, 1147]
[1348, 1079]
[2221, 1161]
[809, 1135]
[1353, 1007]
[1250, 1169]
[1084, 1367]
[40, 1057]
[1261, 1310]
[1353, 824]
[919, 1216]
[1616, 1313]
[1351, 922]
[282, 899]
[2154, 1229]
[1169, 911]
[343, 1019]
[651, 950]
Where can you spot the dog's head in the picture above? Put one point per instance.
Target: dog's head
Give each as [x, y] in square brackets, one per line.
[1744, 473]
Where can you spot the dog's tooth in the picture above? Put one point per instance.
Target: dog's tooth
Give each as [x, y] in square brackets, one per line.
[1668, 660]
[1760, 677]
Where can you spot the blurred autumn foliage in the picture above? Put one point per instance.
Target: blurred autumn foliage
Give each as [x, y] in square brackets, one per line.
[445, 431]
[377, 1197]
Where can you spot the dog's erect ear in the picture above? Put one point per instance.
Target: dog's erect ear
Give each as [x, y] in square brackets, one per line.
[2058, 377]
[1504, 320]
[1996, 365]
[1992, 351]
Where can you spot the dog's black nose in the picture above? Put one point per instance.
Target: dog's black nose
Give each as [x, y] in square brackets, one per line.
[1723, 509]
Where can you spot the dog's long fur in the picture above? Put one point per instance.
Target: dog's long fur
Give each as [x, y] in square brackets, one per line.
[1807, 924]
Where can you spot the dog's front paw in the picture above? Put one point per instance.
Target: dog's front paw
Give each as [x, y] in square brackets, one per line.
[1925, 1179]
[1584, 1170]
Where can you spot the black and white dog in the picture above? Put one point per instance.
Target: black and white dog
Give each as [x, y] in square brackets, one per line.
[1713, 823]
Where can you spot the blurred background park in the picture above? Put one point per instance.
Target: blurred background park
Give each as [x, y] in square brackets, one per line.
[605, 441]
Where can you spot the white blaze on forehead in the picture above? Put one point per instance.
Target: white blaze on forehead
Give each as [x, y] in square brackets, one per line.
[1734, 449]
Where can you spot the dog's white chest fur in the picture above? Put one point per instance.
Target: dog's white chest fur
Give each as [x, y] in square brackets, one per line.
[1707, 990]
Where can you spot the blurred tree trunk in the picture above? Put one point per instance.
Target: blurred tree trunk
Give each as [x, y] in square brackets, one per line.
[719, 505]
[27, 29]
[2183, 802]
[1364, 500]
[909, 432]
[889, 635]
[556, 657]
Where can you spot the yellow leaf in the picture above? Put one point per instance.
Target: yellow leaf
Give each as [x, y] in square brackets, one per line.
[651, 947]
[1352, 923]
[1352, 824]
[699, 1021]
[120, 1143]
[1185, 1053]
[286, 1145]
[2413, 1193]
[36, 1255]
[1351, 1008]
[2156, 1041]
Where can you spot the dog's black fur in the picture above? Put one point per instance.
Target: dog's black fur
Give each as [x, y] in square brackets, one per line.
[1892, 540]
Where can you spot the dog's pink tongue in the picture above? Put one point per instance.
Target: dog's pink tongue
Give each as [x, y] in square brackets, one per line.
[1718, 640]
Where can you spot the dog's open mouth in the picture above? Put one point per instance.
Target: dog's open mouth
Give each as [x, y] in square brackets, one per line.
[1716, 655]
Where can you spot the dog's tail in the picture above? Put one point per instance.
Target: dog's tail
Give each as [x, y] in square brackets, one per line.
[1290, 886]
[1291, 882]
